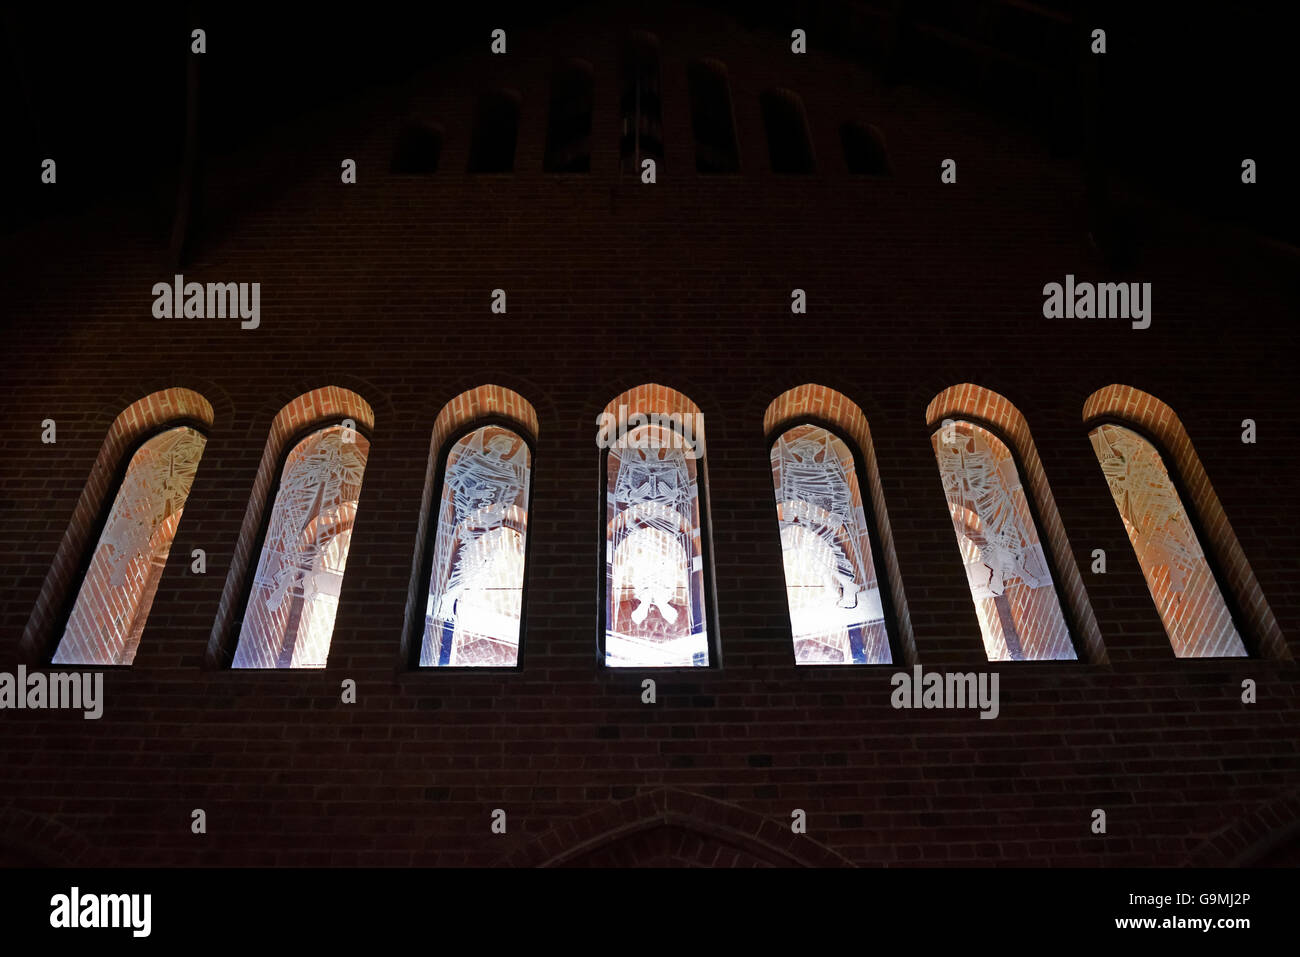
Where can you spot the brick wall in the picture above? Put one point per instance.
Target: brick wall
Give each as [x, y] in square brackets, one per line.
[382, 289]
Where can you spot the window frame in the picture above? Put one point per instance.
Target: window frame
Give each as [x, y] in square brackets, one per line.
[1049, 553]
[96, 532]
[886, 582]
[231, 645]
[415, 635]
[1198, 529]
[709, 597]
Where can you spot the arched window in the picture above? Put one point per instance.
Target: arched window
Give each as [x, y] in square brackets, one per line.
[476, 582]
[655, 556]
[864, 149]
[712, 122]
[117, 591]
[419, 149]
[640, 104]
[496, 129]
[568, 130]
[788, 144]
[1009, 573]
[289, 615]
[837, 609]
[1181, 581]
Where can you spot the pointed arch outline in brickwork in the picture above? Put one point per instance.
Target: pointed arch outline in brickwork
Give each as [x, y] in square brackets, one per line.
[470, 566]
[657, 608]
[1025, 585]
[1195, 547]
[100, 587]
[832, 517]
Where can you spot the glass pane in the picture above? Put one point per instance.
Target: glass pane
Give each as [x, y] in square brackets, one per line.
[1181, 583]
[476, 587]
[1019, 613]
[113, 604]
[654, 565]
[836, 614]
[290, 614]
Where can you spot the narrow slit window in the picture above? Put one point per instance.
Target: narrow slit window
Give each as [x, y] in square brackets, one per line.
[1178, 575]
[118, 590]
[568, 131]
[640, 104]
[864, 150]
[712, 123]
[289, 617]
[832, 585]
[475, 597]
[1007, 569]
[789, 146]
[496, 130]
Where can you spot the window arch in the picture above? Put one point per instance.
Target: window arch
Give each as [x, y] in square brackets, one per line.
[289, 615]
[1203, 587]
[1182, 585]
[419, 149]
[789, 145]
[657, 605]
[117, 591]
[465, 604]
[712, 120]
[568, 130]
[864, 149]
[837, 608]
[640, 103]
[1010, 472]
[496, 130]
[830, 418]
[476, 579]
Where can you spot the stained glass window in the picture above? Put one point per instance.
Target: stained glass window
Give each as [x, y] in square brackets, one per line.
[476, 587]
[1015, 599]
[1182, 585]
[290, 614]
[117, 592]
[836, 613]
[654, 564]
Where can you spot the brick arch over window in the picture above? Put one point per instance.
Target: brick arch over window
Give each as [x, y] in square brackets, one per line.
[1150, 415]
[657, 608]
[148, 415]
[1268, 836]
[811, 403]
[316, 408]
[668, 826]
[487, 422]
[986, 410]
[36, 840]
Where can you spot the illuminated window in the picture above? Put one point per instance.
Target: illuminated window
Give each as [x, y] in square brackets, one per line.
[655, 613]
[1178, 575]
[290, 613]
[118, 589]
[831, 583]
[1010, 581]
[477, 580]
